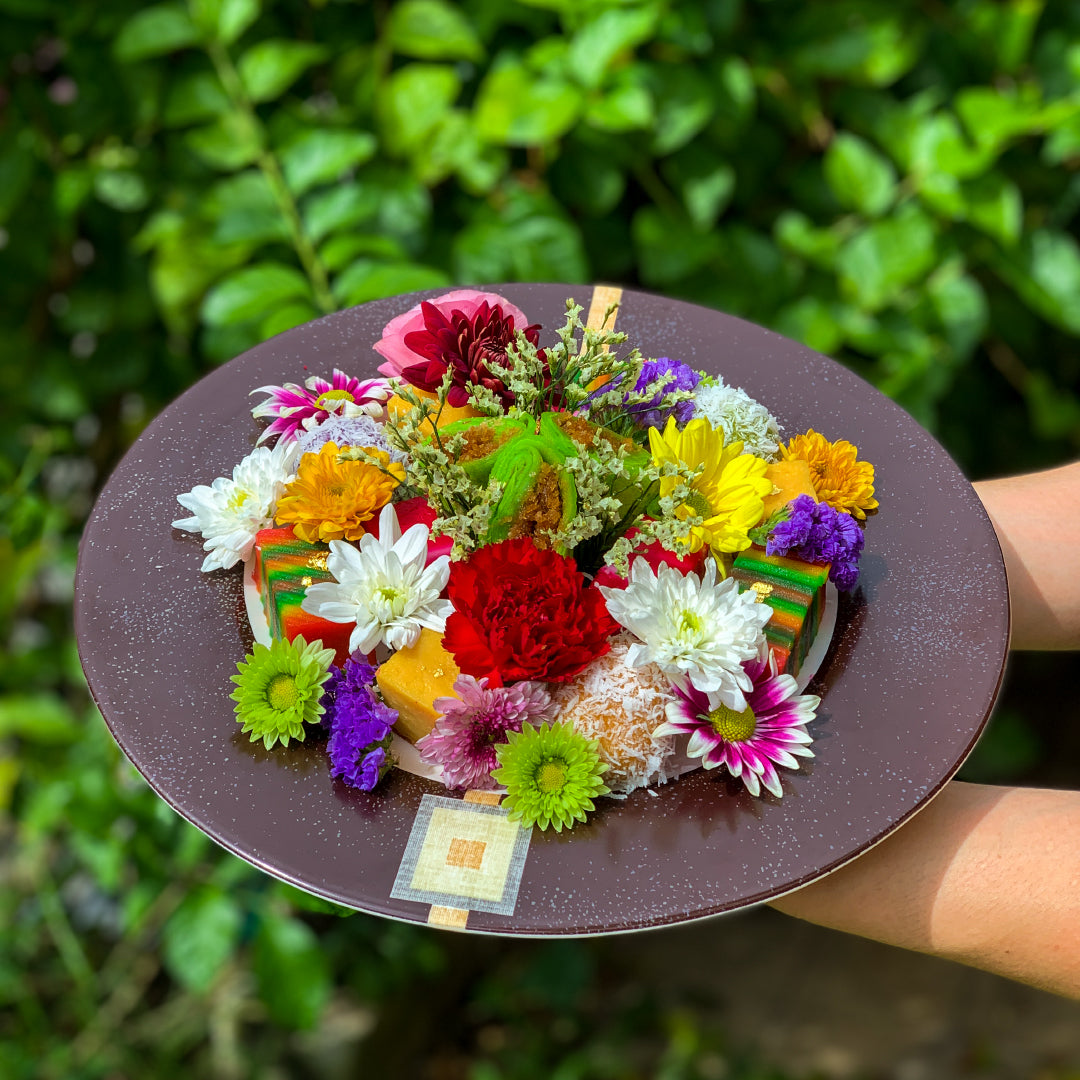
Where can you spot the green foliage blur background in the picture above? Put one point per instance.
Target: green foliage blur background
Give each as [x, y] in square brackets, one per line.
[896, 184]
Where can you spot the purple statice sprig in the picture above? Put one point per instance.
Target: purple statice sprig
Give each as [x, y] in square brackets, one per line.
[816, 533]
[663, 388]
[359, 724]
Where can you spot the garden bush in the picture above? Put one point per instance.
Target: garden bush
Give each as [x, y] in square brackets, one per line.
[893, 183]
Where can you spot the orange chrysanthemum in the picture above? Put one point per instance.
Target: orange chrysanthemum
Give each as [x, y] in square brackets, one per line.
[332, 500]
[841, 481]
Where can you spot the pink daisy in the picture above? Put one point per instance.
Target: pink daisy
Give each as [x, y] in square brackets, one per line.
[474, 723]
[296, 408]
[770, 731]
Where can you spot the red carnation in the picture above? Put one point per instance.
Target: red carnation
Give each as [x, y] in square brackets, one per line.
[521, 613]
[464, 343]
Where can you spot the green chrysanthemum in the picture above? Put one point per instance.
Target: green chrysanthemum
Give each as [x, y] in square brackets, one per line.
[278, 689]
[551, 775]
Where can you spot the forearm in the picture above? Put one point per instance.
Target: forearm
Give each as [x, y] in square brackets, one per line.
[986, 876]
[1037, 520]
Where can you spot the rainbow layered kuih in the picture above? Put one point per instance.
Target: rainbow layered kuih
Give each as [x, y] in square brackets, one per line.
[795, 590]
[284, 568]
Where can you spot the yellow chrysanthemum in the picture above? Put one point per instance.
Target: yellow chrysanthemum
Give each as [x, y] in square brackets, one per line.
[729, 491]
[332, 500]
[841, 481]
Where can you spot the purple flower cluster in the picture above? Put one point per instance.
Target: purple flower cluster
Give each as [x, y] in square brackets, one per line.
[359, 725]
[816, 533]
[650, 413]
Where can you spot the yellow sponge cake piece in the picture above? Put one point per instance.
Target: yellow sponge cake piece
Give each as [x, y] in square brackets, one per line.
[413, 678]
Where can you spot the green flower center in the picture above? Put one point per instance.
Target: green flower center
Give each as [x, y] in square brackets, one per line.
[699, 504]
[733, 726]
[333, 395]
[282, 693]
[689, 623]
[551, 777]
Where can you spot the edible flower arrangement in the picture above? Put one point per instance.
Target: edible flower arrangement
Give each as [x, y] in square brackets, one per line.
[559, 570]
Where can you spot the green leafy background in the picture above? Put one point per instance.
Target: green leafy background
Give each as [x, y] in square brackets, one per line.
[893, 183]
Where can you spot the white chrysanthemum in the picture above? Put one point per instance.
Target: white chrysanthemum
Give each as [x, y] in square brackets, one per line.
[383, 586]
[692, 628]
[742, 418]
[228, 513]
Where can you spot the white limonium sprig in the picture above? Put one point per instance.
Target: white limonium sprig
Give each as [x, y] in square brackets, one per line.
[383, 586]
[694, 629]
[230, 511]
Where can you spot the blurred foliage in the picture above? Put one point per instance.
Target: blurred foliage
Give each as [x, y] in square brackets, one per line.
[893, 183]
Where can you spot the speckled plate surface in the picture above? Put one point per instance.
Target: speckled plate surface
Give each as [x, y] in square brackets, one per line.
[908, 683]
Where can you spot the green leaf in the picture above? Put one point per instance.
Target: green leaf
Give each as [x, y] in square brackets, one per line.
[993, 117]
[432, 30]
[368, 280]
[455, 147]
[121, 189]
[515, 108]
[627, 106]
[994, 205]
[245, 210]
[1045, 271]
[878, 262]
[937, 144]
[321, 156]
[193, 99]
[846, 41]
[340, 207]
[292, 971]
[798, 234]
[960, 304]
[269, 68]
[339, 251]
[669, 248]
[597, 44]
[684, 105]
[40, 718]
[224, 20]
[200, 936]
[539, 248]
[860, 177]
[813, 322]
[154, 31]
[705, 182]
[230, 143]
[412, 103]
[250, 292]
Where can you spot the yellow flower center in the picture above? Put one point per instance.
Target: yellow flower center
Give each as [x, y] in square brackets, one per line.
[238, 499]
[689, 623]
[333, 395]
[733, 726]
[551, 777]
[282, 693]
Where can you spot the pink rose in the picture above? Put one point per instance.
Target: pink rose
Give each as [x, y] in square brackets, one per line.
[392, 344]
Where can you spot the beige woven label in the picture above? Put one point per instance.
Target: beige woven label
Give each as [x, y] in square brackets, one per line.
[451, 917]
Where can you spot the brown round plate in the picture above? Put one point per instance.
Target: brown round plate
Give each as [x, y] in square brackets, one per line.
[907, 686]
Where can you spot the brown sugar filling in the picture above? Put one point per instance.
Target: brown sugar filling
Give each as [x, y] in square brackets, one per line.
[541, 510]
[586, 433]
[480, 440]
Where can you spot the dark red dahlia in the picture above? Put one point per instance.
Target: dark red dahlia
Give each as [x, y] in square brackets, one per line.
[464, 345]
[521, 613]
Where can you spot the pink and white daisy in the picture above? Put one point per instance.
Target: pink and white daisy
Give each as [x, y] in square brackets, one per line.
[770, 731]
[296, 408]
[474, 723]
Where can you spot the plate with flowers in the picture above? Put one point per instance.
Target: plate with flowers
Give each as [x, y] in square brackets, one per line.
[483, 571]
